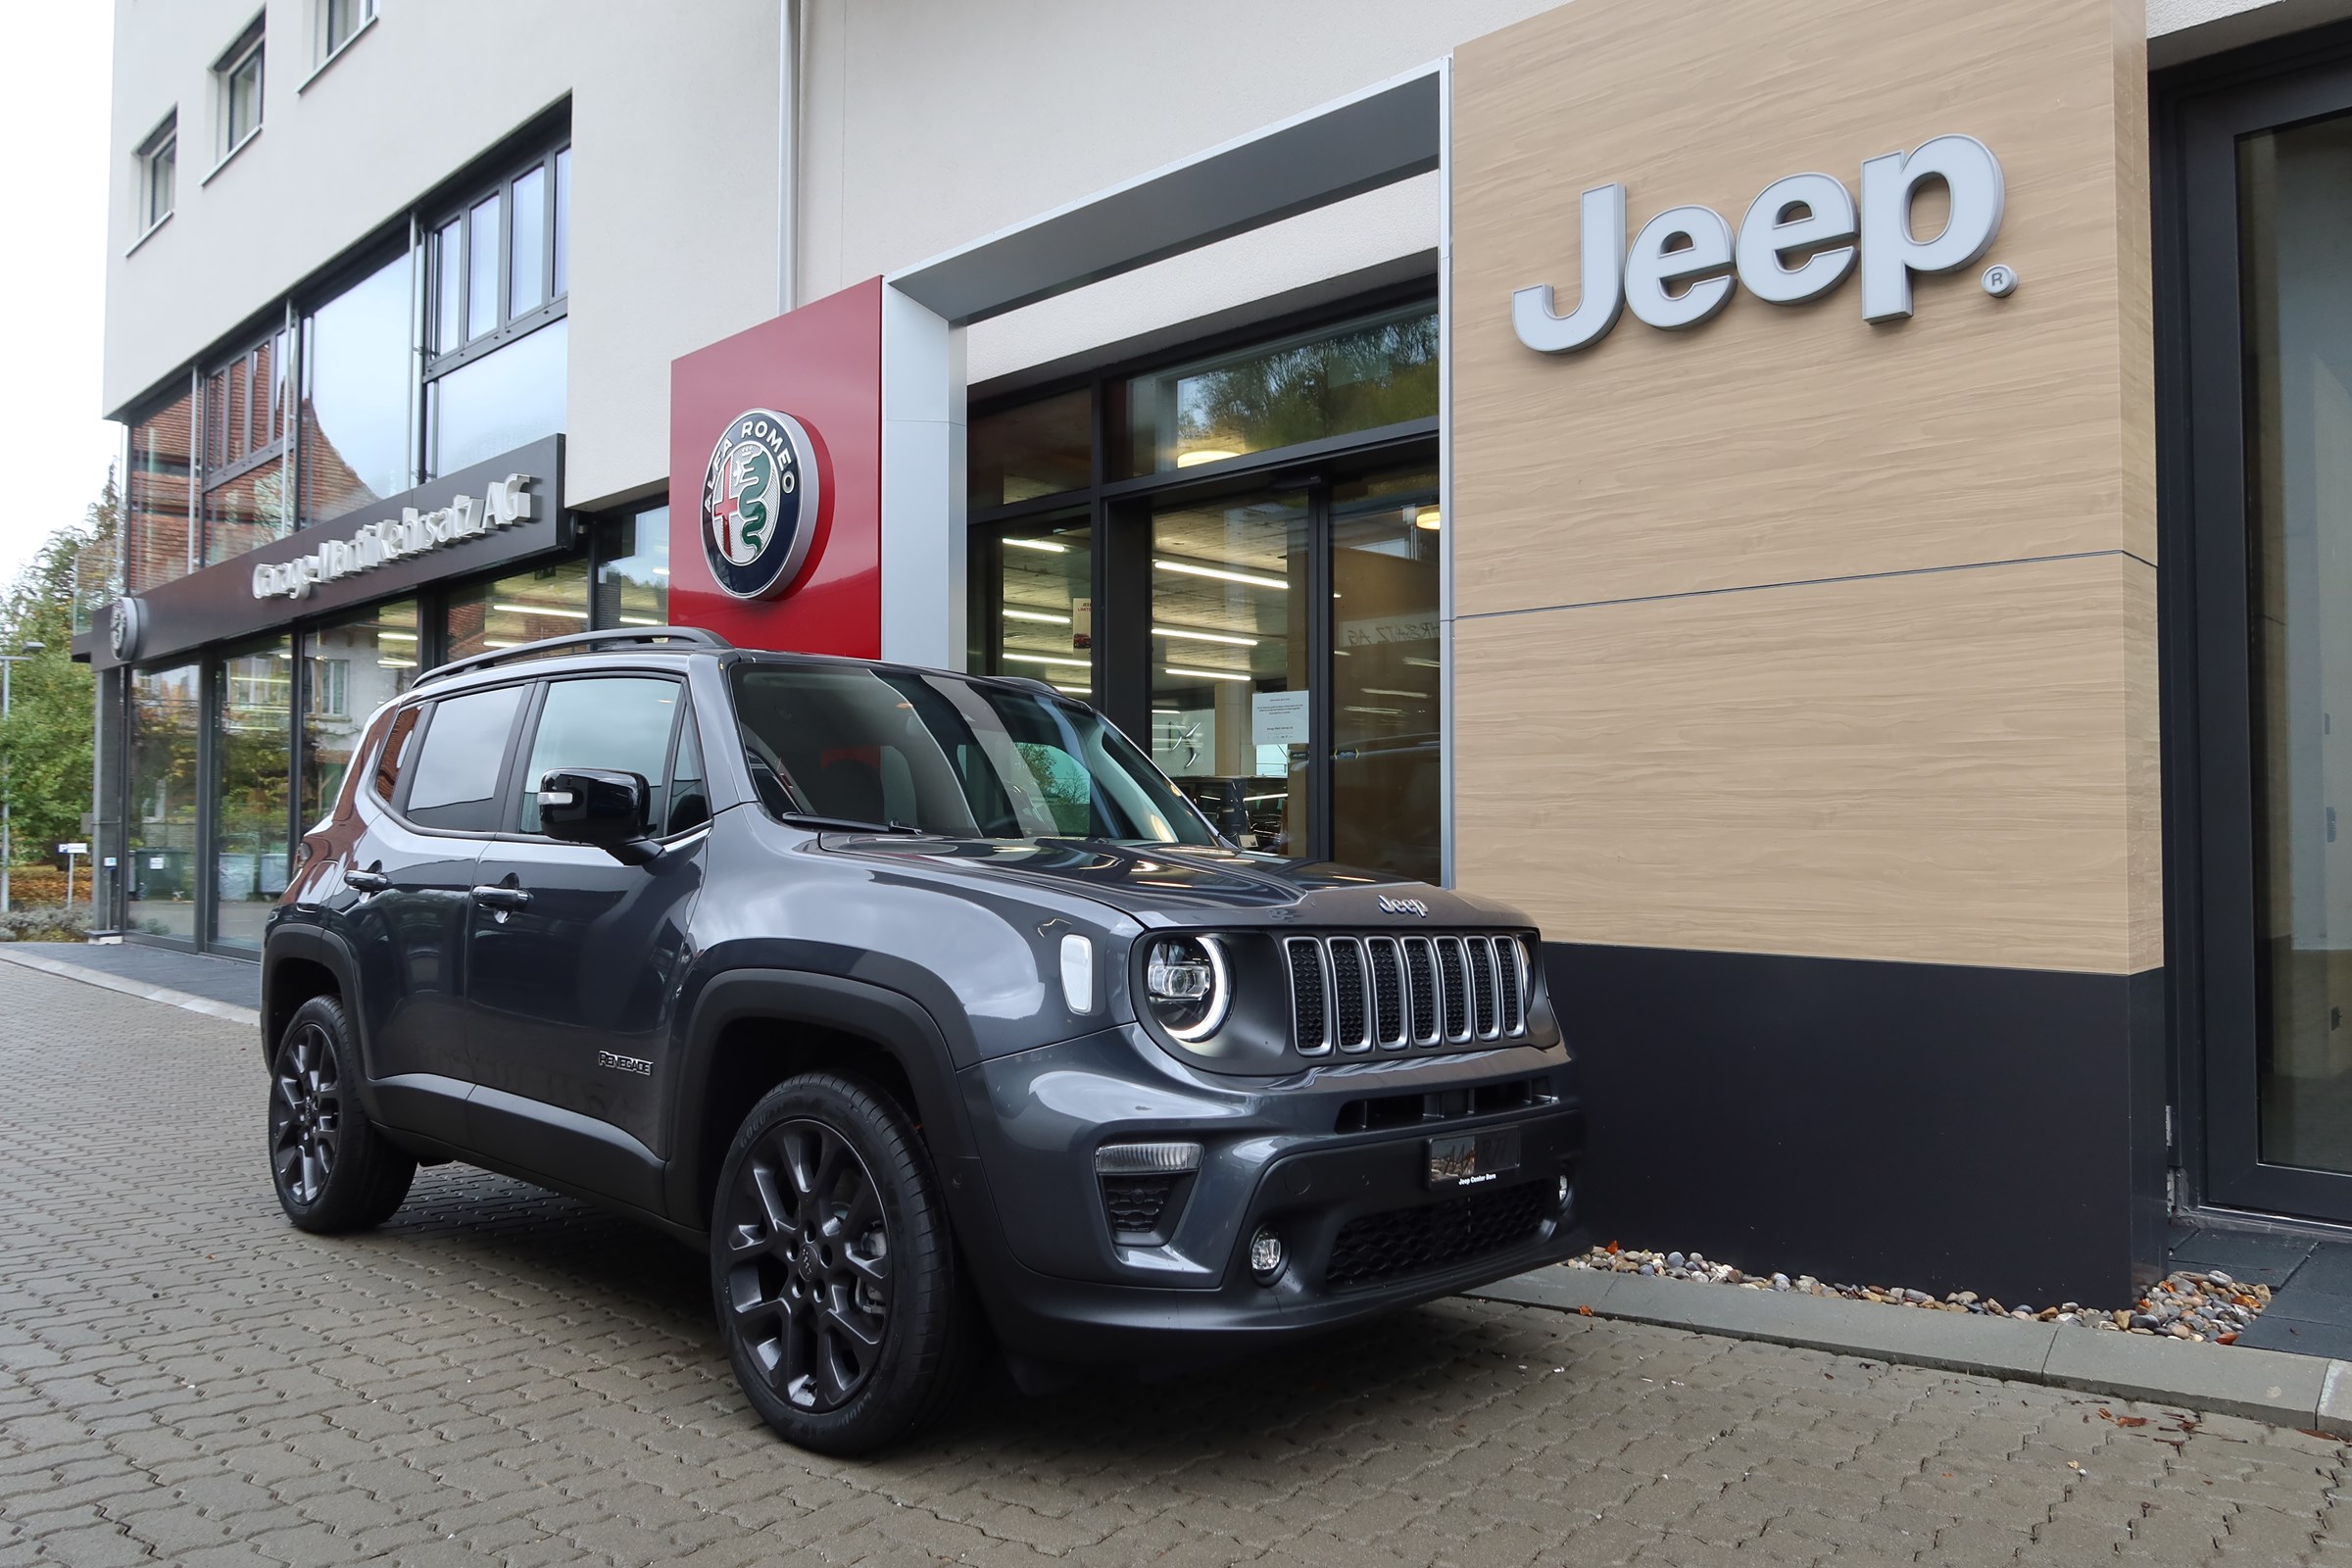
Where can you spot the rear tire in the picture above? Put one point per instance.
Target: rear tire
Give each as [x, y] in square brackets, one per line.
[333, 1170]
[833, 1271]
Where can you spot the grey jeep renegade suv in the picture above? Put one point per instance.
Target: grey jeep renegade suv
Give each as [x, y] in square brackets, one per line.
[923, 1002]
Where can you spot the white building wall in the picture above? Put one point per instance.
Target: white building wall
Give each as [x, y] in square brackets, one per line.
[674, 127]
[928, 124]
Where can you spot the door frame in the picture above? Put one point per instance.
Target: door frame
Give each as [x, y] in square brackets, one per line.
[2209, 766]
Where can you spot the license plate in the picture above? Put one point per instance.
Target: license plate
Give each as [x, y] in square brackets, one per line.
[1471, 1160]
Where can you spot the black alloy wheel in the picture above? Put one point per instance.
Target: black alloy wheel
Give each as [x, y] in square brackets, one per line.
[809, 1275]
[832, 1270]
[332, 1169]
[305, 1112]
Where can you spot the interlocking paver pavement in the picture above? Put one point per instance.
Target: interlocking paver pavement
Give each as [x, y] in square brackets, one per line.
[502, 1375]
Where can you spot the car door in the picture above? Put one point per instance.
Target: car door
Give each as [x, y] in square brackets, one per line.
[573, 954]
[433, 799]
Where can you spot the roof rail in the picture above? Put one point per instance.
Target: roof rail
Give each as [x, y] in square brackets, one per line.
[581, 641]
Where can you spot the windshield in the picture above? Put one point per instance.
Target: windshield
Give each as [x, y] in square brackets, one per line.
[900, 749]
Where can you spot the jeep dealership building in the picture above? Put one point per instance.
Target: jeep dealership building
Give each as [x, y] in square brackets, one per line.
[1842, 510]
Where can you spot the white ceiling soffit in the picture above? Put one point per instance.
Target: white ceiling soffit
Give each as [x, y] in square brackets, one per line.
[1377, 138]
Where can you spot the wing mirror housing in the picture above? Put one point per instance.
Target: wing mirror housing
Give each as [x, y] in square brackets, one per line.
[600, 806]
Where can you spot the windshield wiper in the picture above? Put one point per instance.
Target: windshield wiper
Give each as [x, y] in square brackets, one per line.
[846, 824]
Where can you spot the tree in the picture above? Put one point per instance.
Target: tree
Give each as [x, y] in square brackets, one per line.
[45, 742]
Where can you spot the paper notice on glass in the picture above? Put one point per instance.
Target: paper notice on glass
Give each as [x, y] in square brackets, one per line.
[1278, 718]
[1082, 624]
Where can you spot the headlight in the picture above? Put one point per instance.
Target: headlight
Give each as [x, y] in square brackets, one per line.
[1187, 986]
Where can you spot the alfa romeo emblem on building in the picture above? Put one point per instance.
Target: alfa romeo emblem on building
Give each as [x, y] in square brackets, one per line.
[123, 627]
[760, 504]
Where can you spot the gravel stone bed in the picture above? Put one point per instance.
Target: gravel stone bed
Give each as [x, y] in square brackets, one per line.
[2206, 1306]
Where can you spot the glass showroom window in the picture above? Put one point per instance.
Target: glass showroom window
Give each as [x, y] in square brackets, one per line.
[1231, 661]
[160, 501]
[247, 424]
[1033, 449]
[1041, 622]
[355, 395]
[253, 741]
[1385, 668]
[350, 668]
[632, 569]
[1366, 375]
[1279, 644]
[159, 173]
[237, 89]
[517, 609]
[500, 272]
[160, 879]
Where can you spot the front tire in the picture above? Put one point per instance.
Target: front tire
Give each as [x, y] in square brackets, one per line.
[332, 1169]
[833, 1271]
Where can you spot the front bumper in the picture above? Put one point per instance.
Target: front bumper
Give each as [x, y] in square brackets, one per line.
[1345, 1190]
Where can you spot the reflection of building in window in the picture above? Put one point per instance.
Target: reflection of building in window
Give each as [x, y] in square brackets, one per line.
[330, 695]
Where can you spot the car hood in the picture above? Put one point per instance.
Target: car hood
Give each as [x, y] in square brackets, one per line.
[1165, 884]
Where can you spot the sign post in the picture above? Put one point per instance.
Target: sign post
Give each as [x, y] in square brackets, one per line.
[70, 852]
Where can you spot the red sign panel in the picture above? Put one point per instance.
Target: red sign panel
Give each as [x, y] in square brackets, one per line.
[750, 491]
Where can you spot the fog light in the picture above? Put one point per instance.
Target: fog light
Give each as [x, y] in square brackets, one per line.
[1265, 1255]
[1564, 1191]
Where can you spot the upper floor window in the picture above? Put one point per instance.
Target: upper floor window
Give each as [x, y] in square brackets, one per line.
[248, 410]
[500, 277]
[237, 86]
[159, 172]
[340, 21]
[356, 384]
[498, 262]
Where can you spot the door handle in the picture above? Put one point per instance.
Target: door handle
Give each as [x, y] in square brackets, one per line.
[366, 881]
[496, 898]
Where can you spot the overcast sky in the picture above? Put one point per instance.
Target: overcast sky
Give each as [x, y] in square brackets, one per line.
[54, 447]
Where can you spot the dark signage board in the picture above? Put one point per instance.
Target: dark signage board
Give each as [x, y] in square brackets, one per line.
[507, 509]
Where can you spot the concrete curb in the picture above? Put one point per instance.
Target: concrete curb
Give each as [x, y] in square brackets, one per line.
[250, 1017]
[2305, 1392]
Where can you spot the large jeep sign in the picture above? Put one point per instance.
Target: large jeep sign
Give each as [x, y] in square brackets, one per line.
[1800, 237]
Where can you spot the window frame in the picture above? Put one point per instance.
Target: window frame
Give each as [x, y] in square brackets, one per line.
[249, 49]
[162, 140]
[286, 335]
[325, 47]
[457, 210]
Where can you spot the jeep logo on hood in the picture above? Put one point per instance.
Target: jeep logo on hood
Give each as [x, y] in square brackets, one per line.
[1389, 906]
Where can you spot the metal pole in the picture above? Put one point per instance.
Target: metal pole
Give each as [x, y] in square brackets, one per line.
[8, 848]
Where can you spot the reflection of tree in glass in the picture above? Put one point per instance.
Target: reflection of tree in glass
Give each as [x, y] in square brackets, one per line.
[1376, 375]
[1061, 785]
[253, 745]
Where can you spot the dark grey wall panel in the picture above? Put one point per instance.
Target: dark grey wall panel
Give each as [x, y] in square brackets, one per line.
[1934, 1126]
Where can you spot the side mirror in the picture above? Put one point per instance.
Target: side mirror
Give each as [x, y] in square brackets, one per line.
[601, 806]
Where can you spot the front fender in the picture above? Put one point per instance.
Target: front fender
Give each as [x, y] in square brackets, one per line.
[891, 1022]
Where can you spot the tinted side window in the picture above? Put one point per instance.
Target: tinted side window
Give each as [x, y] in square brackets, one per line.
[455, 784]
[620, 721]
[395, 751]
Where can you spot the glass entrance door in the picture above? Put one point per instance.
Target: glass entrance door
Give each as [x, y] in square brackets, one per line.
[2265, 389]
[2298, 289]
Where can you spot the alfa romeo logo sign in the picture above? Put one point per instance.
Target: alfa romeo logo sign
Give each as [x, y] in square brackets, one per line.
[760, 504]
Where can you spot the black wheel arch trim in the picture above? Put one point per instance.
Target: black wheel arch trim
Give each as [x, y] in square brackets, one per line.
[328, 950]
[895, 1023]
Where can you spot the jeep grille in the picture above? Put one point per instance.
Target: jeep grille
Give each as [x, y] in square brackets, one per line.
[1355, 993]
